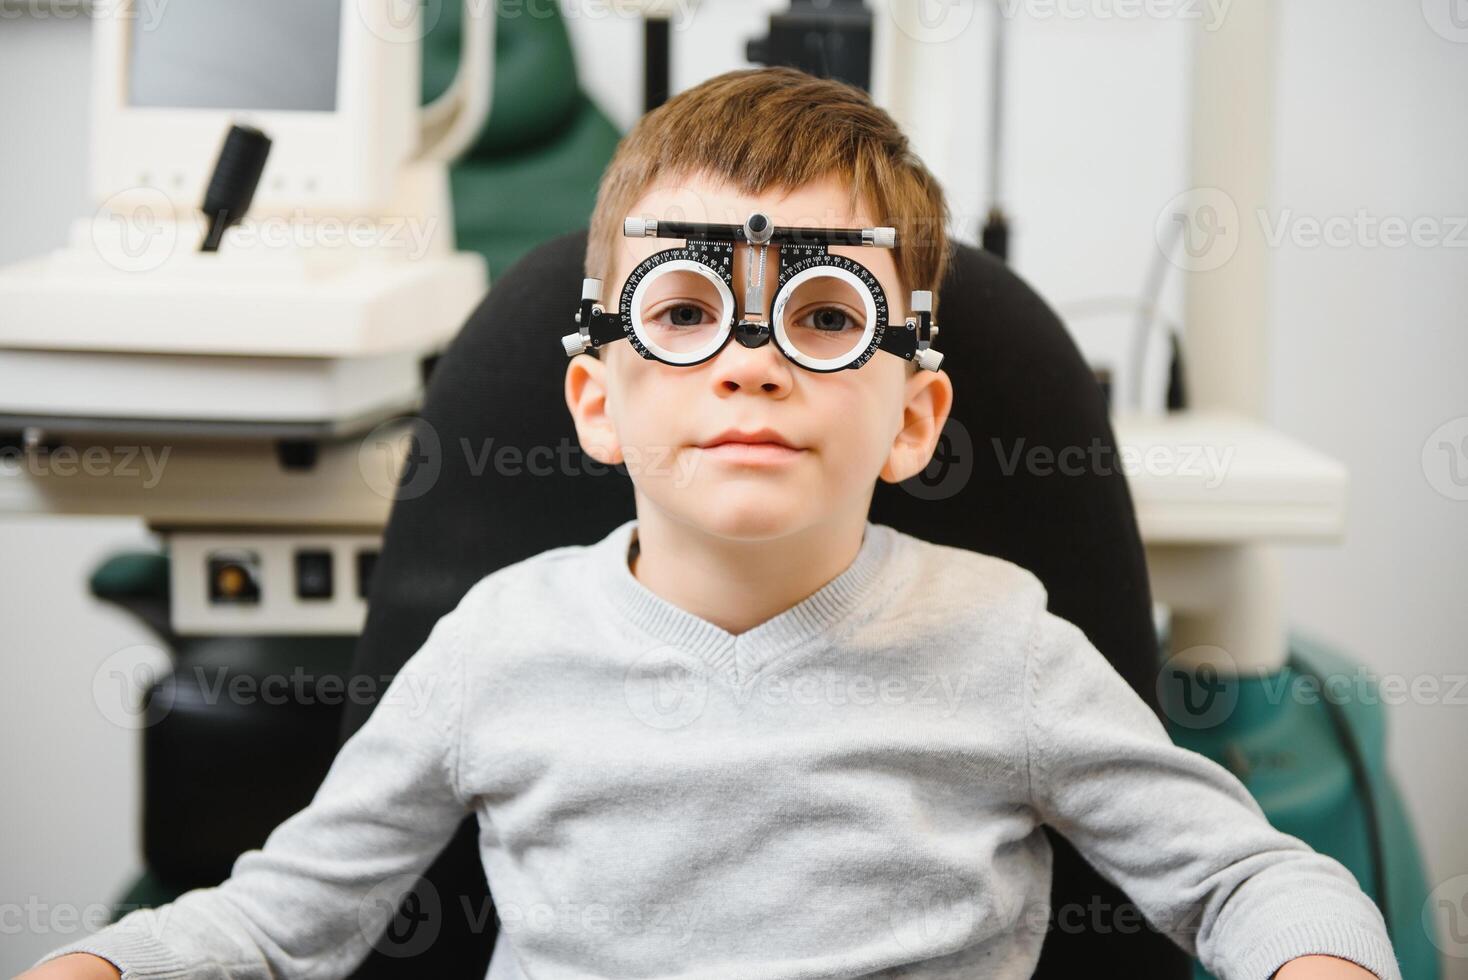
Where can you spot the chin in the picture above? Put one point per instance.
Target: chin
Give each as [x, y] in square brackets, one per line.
[742, 514]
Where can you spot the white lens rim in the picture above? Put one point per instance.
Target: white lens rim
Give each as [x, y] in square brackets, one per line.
[725, 324]
[777, 318]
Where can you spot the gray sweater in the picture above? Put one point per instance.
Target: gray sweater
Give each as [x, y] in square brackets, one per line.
[853, 788]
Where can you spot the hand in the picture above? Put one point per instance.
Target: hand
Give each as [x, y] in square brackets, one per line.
[74, 966]
[1322, 967]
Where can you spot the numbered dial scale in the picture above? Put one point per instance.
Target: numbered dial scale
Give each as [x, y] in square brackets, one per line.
[829, 312]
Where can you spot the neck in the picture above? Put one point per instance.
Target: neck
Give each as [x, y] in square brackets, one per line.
[739, 583]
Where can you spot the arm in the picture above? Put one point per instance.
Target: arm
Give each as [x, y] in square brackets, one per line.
[1180, 834]
[327, 881]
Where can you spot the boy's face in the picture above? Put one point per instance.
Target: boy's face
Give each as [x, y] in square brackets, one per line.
[849, 427]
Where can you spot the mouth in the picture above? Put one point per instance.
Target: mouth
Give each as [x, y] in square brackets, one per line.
[762, 446]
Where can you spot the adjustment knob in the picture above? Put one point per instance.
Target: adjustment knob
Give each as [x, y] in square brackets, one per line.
[574, 344]
[928, 359]
[757, 228]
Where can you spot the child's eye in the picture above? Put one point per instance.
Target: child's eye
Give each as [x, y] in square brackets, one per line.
[829, 318]
[682, 316]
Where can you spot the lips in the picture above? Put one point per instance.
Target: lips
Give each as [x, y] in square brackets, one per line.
[759, 437]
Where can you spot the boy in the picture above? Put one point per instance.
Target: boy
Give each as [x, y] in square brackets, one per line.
[850, 780]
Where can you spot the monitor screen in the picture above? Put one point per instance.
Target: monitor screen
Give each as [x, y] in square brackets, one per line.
[237, 54]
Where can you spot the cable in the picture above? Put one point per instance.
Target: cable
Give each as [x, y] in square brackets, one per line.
[1147, 311]
[1347, 739]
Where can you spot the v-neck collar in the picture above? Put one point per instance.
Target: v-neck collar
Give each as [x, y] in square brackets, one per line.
[739, 657]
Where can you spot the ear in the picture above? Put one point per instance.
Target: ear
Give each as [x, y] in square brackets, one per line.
[928, 396]
[586, 397]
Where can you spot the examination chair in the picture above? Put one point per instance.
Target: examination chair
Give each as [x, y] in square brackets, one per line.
[1018, 380]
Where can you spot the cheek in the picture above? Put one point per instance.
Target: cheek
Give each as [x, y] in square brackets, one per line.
[638, 399]
[863, 416]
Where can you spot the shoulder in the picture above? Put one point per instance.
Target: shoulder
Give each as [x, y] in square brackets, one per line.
[960, 579]
[528, 584]
[512, 617]
[981, 603]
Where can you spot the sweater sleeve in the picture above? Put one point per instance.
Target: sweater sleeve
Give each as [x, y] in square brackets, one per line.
[317, 896]
[1178, 833]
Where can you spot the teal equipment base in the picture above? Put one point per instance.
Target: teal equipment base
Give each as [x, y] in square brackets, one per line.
[1309, 743]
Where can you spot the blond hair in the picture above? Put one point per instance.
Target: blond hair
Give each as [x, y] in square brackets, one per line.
[778, 128]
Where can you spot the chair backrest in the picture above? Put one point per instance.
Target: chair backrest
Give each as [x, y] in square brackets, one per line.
[1020, 384]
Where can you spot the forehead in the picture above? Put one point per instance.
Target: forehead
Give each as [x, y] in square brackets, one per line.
[820, 204]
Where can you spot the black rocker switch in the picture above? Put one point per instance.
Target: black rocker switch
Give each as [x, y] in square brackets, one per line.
[313, 575]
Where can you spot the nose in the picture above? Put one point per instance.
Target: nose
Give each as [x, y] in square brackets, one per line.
[753, 364]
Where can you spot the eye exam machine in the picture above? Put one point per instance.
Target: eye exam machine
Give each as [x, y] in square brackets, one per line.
[228, 347]
[249, 343]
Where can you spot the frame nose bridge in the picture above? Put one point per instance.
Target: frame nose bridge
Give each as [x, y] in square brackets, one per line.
[754, 280]
[752, 334]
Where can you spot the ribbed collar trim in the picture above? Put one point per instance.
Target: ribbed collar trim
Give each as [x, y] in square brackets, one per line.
[739, 655]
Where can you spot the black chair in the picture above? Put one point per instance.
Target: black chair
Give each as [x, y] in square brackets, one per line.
[1019, 382]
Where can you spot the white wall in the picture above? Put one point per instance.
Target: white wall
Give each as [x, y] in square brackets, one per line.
[1370, 357]
[70, 779]
[1369, 352]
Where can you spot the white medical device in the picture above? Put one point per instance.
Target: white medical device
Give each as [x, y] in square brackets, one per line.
[313, 319]
[248, 368]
